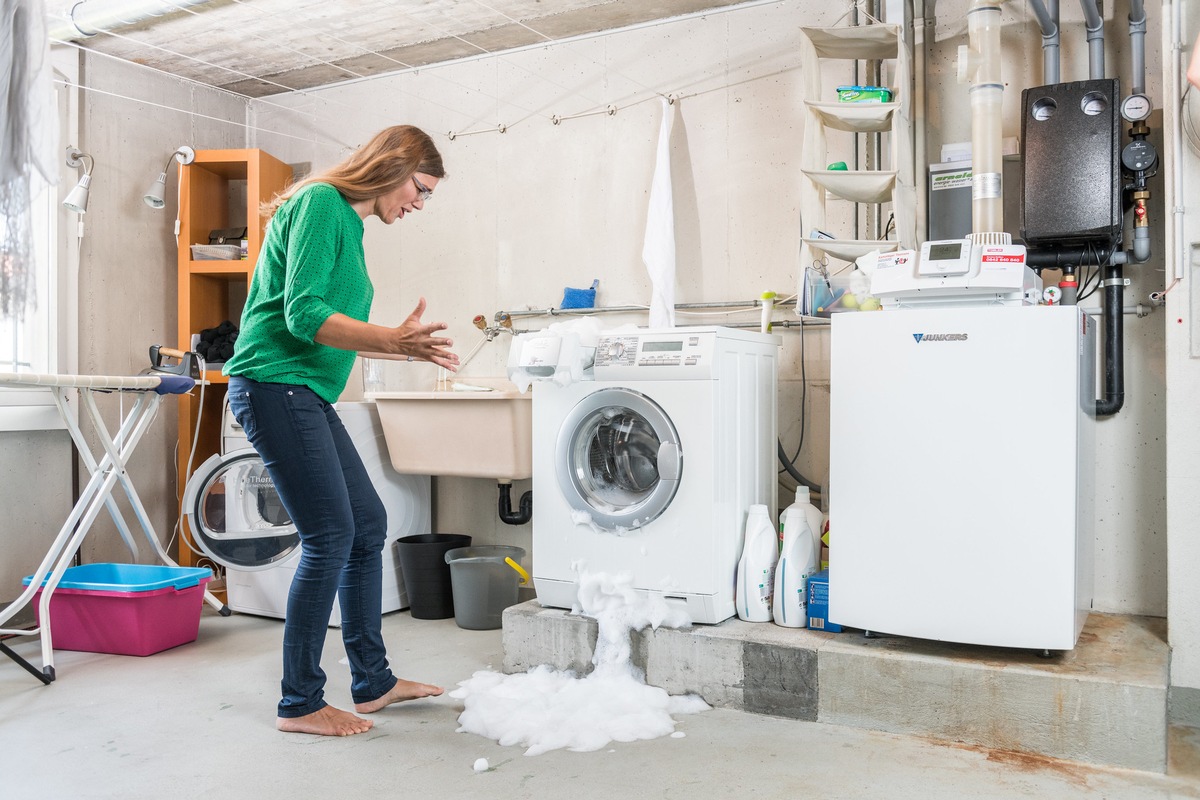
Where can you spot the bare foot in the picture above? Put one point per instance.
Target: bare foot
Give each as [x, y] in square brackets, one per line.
[403, 690]
[329, 721]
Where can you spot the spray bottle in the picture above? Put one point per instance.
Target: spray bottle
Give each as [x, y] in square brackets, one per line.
[756, 569]
[797, 562]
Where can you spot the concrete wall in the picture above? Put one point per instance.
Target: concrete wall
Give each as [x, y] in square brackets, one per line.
[127, 297]
[1183, 424]
[543, 206]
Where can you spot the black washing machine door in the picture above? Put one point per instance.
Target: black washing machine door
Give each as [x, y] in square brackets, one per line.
[619, 459]
[235, 514]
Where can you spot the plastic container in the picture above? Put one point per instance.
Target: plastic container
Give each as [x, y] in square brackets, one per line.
[845, 291]
[798, 561]
[756, 568]
[125, 609]
[426, 573]
[812, 514]
[484, 584]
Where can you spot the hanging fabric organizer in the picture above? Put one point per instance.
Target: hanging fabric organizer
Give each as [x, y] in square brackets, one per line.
[895, 185]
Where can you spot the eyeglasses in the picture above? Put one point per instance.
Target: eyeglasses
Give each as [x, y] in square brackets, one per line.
[423, 192]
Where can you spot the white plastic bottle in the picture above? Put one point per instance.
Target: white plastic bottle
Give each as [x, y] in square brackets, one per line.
[811, 513]
[798, 560]
[756, 569]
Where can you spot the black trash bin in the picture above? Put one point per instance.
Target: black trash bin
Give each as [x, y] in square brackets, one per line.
[426, 573]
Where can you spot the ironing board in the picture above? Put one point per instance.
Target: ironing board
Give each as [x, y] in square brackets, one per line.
[106, 474]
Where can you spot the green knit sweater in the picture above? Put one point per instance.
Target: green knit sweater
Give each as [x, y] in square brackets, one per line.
[311, 266]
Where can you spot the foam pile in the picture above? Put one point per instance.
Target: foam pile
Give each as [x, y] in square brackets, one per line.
[547, 709]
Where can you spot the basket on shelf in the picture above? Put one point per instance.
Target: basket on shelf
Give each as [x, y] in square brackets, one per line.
[216, 252]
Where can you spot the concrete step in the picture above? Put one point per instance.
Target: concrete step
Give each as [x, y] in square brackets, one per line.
[1105, 702]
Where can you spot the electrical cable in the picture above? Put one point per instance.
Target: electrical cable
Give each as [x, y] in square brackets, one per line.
[187, 472]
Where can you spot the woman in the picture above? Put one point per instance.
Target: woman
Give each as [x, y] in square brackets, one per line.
[304, 320]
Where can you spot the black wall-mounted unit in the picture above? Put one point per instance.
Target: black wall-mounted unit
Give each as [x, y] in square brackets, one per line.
[1071, 167]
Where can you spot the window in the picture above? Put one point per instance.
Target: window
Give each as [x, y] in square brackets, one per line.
[35, 343]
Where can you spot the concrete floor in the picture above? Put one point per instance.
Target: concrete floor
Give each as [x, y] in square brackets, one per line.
[198, 722]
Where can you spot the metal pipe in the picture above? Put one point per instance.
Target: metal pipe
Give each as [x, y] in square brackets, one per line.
[1049, 26]
[1114, 348]
[85, 20]
[1137, 44]
[924, 20]
[560, 312]
[1095, 37]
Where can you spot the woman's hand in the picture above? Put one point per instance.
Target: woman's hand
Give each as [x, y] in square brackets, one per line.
[416, 339]
[412, 340]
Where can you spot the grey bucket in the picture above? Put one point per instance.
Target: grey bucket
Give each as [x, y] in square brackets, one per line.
[483, 583]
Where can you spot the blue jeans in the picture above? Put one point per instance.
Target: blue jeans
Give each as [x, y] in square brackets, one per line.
[342, 525]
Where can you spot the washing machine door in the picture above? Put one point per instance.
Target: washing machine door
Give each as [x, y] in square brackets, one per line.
[235, 514]
[619, 459]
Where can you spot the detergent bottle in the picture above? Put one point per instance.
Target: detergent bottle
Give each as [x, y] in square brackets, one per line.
[756, 569]
[797, 562]
[812, 514]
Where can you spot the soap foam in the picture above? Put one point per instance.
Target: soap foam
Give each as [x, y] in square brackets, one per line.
[546, 709]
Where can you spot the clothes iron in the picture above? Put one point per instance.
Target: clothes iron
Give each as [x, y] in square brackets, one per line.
[178, 362]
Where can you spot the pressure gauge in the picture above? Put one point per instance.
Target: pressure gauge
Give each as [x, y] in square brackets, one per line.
[1052, 295]
[1139, 156]
[1136, 107]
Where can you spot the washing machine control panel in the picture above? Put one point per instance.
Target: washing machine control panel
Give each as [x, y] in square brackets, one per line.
[653, 355]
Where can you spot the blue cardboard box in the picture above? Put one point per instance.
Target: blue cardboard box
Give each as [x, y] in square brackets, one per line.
[818, 603]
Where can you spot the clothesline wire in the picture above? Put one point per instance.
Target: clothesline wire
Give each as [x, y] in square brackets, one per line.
[87, 88]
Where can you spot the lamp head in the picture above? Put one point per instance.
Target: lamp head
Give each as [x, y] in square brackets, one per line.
[77, 199]
[155, 194]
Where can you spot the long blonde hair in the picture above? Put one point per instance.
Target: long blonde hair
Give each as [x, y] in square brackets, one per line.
[389, 160]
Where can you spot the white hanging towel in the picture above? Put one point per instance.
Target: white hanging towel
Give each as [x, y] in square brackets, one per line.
[658, 251]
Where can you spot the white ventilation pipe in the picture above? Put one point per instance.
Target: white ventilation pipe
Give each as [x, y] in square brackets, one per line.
[87, 19]
[979, 64]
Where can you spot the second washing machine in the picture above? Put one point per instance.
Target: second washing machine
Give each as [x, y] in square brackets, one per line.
[650, 468]
[235, 515]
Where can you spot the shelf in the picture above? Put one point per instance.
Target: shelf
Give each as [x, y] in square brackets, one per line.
[869, 186]
[238, 267]
[862, 42]
[851, 249]
[854, 117]
[219, 189]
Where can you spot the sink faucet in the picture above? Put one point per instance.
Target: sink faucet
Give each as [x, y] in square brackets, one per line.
[504, 325]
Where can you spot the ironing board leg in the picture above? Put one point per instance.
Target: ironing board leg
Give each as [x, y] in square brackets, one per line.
[45, 676]
[95, 496]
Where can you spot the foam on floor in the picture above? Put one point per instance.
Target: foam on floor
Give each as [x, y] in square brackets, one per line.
[547, 709]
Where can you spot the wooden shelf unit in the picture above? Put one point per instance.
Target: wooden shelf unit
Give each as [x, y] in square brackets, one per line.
[220, 189]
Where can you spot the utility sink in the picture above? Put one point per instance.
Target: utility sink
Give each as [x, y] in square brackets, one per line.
[467, 434]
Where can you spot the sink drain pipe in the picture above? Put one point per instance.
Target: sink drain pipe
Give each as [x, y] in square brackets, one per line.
[504, 506]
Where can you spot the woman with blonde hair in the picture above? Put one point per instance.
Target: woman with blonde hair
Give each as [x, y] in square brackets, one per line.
[304, 322]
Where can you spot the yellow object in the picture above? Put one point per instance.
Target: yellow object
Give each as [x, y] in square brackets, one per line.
[870, 304]
[849, 301]
[524, 575]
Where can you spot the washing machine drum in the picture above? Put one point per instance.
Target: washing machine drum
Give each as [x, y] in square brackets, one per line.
[235, 514]
[619, 459]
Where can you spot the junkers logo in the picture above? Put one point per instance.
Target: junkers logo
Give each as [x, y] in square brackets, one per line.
[939, 337]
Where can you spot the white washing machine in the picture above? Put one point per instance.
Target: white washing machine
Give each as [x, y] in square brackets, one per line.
[236, 517]
[651, 467]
